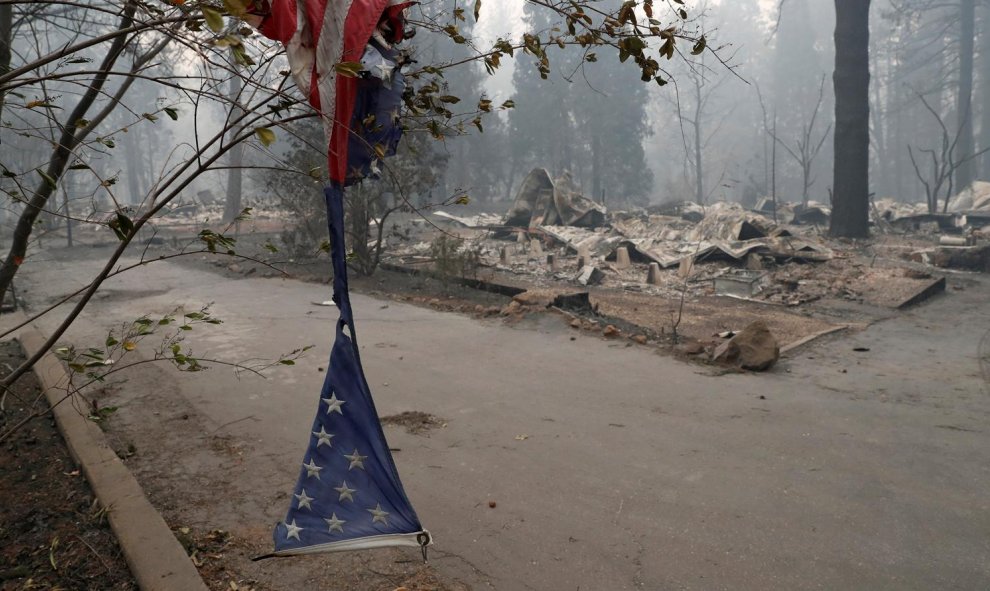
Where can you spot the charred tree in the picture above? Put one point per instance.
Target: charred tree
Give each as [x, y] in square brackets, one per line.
[235, 175]
[6, 38]
[984, 172]
[851, 80]
[965, 173]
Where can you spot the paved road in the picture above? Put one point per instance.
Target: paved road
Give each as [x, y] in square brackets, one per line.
[839, 470]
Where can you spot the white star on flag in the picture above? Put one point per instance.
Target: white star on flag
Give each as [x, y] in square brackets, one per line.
[333, 405]
[378, 515]
[312, 469]
[346, 494]
[304, 500]
[357, 460]
[335, 524]
[323, 438]
[292, 530]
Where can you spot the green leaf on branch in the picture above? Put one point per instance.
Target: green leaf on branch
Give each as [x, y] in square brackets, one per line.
[349, 69]
[699, 46]
[212, 240]
[241, 56]
[237, 8]
[477, 9]
[172, 113]
[214, 20]
[265, 135]
[122, 226]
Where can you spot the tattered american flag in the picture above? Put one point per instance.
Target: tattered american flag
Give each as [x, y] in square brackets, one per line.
[319, 35]
[348, 494]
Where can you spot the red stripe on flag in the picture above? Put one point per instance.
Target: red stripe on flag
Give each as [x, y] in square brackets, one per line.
[360, 23]
[280, 23]
[314, 15]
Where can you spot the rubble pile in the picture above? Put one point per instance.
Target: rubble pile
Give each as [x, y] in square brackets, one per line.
[553, 235]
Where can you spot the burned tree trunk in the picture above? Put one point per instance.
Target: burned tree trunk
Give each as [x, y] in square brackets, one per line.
[232, 204]
[699, 173]
[596, 166]
[6, 36]
[851, 80]
[984, 172]
[965, 173]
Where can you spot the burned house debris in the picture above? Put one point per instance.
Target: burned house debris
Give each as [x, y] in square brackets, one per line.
[552, 237]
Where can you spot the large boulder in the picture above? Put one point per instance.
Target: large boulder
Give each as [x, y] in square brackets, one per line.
[754, 348]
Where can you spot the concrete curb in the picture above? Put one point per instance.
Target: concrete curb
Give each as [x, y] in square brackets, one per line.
[155, 557]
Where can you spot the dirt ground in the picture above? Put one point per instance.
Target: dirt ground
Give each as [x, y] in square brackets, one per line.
[53, 534]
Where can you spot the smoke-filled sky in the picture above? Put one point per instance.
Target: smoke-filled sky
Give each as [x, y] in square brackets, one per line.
[504, 18]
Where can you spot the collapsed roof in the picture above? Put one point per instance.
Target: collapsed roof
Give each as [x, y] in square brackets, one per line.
[542, 201]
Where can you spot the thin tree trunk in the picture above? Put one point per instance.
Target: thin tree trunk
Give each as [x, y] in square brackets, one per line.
[766, 157]
[148, 157]
[596, 166]
[511, 180]
[6, 37]
[881, 130]
[896, 106]
[133, 158]
[984, 102]
[68, 218]
[851, 80]
[773, 165]
[232, 205]
[699, 173]
[964, 105]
